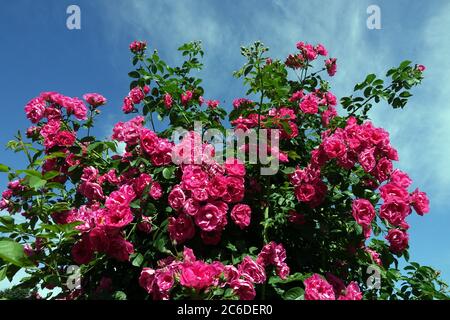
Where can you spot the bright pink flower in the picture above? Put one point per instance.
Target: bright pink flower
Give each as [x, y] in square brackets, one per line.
[94, 99]
[352, 292]
[168, 101]
[421, 67]
[420, 202]
[128, 105]
[35, 109]
[186, 97]
[334, 147]
[181, 228]
[244, 289]
[65, 139]
[156, 191]
[120, 249]
[363, 212]
[136, 95]
[392, 190]
[213, 104]
[320, 49]
[331, 66]
[197, 275]
[367, 159]
[212, 216]
[317, 288]
[252, 271]
[138, 47]
[400, 178]
[235, 167]
[395, 211]
[309, 104]
[241, 214]
[375, 256]
[383, 169]
[176, 198]
[398, 240]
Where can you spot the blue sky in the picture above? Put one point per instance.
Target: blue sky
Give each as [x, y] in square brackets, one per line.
[40, 54]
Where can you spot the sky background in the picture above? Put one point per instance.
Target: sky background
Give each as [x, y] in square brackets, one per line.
[38, 53]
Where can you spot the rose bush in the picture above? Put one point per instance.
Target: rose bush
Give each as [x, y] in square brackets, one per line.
[166, 220]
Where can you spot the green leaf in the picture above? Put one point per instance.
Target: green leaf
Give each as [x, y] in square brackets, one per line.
[3, 272]
[138, 260]
[3, 168]
[7, 220]
[134, 74]
[168, 173]
[120, 295]
[12, 252]
[294, 294]
[37, 183]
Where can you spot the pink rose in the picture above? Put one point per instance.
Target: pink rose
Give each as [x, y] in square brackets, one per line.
[137, 95]
[367, 159]
[235, 189]
[35, 110]
[334, 147]
[176, 198]
[420, 202]
[92, 191]
[383, 169]
[244, 289]
[252, 271]
[186, 97]
[94, 99]
[212, 216]
[191, 207]
[309, 104]
[398, 240]
[156, 191]
[317, 288]
[241, 214]
[194, 177]
[65, 139]
[197, 275]
[352, 292]
[392, 191]
[395, 211]
[168, 101]
[363, 212]
[181, 228]
[400, 178]
[235, 167]
[331, 66]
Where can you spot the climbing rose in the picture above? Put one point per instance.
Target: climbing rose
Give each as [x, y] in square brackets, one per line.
[317, 288]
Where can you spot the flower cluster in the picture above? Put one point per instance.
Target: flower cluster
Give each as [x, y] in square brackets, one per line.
[134, 97]
[206, 191]
[138, 47]
[309, 53]
[317, 288]
[203, 277]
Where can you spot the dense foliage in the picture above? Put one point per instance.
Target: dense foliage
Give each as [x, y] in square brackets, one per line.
[167, 219]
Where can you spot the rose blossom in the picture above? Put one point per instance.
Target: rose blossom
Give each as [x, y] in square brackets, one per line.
[398, 240]
[317, 288]
[363, 212]
[420, 202]
[241, 214]
[251, 270]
